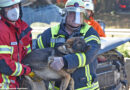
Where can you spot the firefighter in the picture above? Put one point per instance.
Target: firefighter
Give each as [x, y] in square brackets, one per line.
[73, 25]
[15, 43]
[89, 6]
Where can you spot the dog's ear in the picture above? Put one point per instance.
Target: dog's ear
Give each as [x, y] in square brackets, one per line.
[79, 45]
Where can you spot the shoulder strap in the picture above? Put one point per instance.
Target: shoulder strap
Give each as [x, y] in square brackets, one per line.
[55, 30]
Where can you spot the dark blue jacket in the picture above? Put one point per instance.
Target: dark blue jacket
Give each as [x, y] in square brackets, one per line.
[71, 60]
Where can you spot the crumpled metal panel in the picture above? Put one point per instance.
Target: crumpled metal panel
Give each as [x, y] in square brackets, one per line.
[109, 43]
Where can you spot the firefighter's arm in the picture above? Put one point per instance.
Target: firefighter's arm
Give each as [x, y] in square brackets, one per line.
[10, 67]
[43, 40]
[7, 65]
[99, 30]
[28, 41]
[82, 59]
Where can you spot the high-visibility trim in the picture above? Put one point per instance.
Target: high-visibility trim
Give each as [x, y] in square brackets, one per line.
[6, 81]
[28, 48]
[92, 37]
[4, 49]
[85, 29]
[56, 88]
[82, 59]
[54, 31]
[61, 36]
[94, 86]
[58, 39]
[40, 43]
[18, 69]
[52, 42]
[50, 86]
[89, 77]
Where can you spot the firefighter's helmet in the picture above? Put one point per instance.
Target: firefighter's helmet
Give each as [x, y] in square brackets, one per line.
[89, 5]
[6, 3]
[75, 5]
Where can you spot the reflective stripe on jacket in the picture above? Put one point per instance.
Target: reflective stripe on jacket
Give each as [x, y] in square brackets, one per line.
[15, 43]
[56, 35]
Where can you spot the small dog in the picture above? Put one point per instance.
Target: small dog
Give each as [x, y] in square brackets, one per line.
[40, 59]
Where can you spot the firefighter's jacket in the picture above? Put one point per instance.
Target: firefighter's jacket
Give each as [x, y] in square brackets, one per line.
[85, 63]
[15, 43]
[96, 26]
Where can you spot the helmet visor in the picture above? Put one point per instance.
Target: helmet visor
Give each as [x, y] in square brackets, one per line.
[75, 17]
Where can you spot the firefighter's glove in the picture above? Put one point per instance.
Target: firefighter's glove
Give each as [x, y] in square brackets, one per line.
[31, 74]
[57, 63]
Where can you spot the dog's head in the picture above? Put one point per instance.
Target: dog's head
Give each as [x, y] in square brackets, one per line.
[74, 45]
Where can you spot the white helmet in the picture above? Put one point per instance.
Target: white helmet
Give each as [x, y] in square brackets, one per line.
[75, 5]
[6, 3]
[89, 5]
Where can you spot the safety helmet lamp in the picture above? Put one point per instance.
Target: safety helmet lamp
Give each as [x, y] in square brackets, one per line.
[77, 7]
[7, 3]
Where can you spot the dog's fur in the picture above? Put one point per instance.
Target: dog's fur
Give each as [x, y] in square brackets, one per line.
[38, 61]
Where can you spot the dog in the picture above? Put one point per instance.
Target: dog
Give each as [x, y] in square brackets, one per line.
[40, 59]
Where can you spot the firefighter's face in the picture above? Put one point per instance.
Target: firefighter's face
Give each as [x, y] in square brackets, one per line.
[74, 19]
[89, 12]
[12, 12]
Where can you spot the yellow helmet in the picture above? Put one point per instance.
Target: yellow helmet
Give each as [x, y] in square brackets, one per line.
[6, 3]
[75, 5]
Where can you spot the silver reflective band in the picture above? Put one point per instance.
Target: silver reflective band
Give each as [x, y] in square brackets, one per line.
[7, 49]
[5, 81]
[18, 69]
[93, 86]
[82, 37]
[58, 40]
[52, 40]
[88, 72]
[82, 58]
[95, 37]
[40, 43]
[29, 48]
[12, 81]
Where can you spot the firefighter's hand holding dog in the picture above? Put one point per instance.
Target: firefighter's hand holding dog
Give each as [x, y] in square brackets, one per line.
[57, 63]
